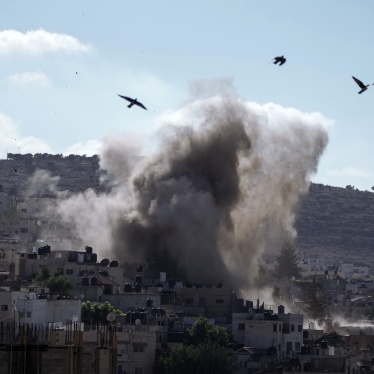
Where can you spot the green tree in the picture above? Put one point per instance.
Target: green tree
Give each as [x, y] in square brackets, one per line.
[315, 302]
[287, 263]
[209, 349]
[93, 313]
[56, 282]
[205, 331]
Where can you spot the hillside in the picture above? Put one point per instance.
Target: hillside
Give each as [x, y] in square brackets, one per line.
[337, 223]
[333, 222]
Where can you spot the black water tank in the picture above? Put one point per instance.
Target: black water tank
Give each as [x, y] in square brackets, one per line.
[94, 257]
[143, 318]
[281, 309]
[88, 249]
[85, 281]
[139, 279]
[138, 287]
[249, 304]
[104, 262]
[114, 264]
[128, 287]
[93, 281]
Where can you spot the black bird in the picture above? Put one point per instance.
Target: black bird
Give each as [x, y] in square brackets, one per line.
[361, 85]
[15, 170]
[279, 59]
[132, 102]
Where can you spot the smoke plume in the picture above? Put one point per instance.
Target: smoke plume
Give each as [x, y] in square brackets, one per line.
[222, 188]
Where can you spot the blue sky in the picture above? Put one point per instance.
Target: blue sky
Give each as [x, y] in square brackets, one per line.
[63, 63]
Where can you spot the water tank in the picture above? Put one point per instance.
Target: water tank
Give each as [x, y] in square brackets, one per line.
[281, 309]
[85, 281]
[114, 264]
[149, 303]
[128, 287]
[248, 304]
[139, 279]
[93, 281]
[143, 318]
[104, 262]
[138, 287]
[88, 249]
[94, 257]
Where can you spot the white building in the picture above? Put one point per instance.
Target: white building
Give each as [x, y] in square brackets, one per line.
[260, 328]
[32, 309]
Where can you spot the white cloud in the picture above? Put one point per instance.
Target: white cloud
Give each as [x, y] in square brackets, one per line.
[89, 148]
[11, 141]
[39, 42]
[30, 77]
[349, 172]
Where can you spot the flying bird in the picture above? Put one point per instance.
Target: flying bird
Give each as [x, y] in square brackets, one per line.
[279, 59]
[363, 87]
[132, 102]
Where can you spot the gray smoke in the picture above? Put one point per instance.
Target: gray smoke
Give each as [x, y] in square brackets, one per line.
[222, 189]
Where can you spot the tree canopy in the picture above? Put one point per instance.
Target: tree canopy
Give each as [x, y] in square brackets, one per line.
[287, 263]
[315, 302]
[56, 282]
[93, 313]
[209, 349]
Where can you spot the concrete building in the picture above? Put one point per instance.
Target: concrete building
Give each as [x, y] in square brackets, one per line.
[213, 302]
[42, 308]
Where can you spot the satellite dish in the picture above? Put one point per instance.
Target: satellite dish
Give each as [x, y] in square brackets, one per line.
[111, 316]
[137, 322]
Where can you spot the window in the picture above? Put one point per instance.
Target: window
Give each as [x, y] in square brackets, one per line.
[138, 348]
[241, 326]
[23, 210]
[28, 314]
[274, 327]
[219, 301]
[69, 271]
[297, 346]
[138, 370]
[189, 301]
[289, 347]
[292, 327]
[286, 328]
[4, 308]
[300, 328]
[24, 230]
